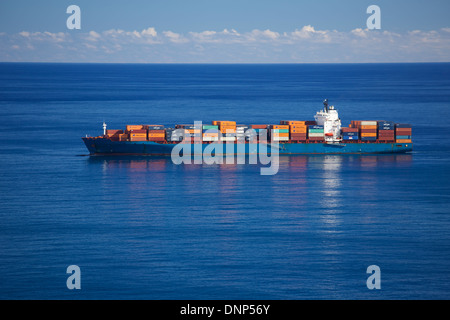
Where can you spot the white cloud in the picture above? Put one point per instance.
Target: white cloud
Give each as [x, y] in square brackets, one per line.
[175, 37]
[306, 44]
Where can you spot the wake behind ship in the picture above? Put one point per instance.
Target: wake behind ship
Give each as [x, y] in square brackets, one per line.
[323, 135]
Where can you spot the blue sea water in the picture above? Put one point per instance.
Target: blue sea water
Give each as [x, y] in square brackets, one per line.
[145, 228]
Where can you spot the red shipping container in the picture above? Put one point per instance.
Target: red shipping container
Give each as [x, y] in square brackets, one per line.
[156, 139]
[113, 132]
[345, 129]
[368, 130]
[259, 126]
[156, 131]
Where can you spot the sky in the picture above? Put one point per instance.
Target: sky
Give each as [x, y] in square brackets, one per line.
[217, 31]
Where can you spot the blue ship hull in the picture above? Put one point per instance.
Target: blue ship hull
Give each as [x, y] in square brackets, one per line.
[104, 146]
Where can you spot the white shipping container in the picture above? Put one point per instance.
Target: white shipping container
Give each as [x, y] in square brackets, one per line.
[228, 138]
[280, 138]
[369, 123]
[314, 134]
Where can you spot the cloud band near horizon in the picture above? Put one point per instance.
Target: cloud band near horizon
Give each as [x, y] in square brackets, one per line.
[304, 45]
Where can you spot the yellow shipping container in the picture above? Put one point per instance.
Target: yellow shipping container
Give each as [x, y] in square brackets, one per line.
[368, 134]
[403, 141]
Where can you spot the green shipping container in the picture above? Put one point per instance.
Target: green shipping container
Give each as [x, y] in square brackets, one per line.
[206, 127]
[315, 130]
[280, 130]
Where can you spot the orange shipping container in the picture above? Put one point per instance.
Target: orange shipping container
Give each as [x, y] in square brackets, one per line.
[224, 123]
[298, 129]
[363, 134]
[293, 123]
[156, 135]
[278, 126]
[134, 127]
[403, 141]
[281, 134]
[368, 127]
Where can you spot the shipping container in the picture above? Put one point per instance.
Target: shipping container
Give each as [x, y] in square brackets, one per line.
[316, 134]
[157, 139]
[403, 141]
[113, 132]
[209, 126]
[138, 131]
[403, 137]
[368, 138]
[153, 127]
[299, 130]
[279, 127]
[156, 135]
[403, 125]
[365, 135]
[345, 129]
[259, 126]
[368, 127]
[280, 138]
[224, 123]
[368, 130]
[280, 130]
[280, 134]
[349, 137]
[134, 127]
[368, 123]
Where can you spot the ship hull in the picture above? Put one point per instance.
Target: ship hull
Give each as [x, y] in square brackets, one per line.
[105, 146]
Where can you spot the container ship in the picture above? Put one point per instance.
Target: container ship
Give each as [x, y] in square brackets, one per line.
[323, 135]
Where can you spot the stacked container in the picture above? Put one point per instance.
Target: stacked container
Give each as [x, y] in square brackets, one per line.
[297, 129]
[156, 133]
[367, 129]
[227, 129]
[316, 133]
[259, 129]
[138, 135]
[279, 132]
[114, 135]
[350, 134]
[403, 133]
[240, 132]
[210, 132]
[386, 131]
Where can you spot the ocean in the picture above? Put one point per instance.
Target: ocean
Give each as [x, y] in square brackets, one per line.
[145, 228]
